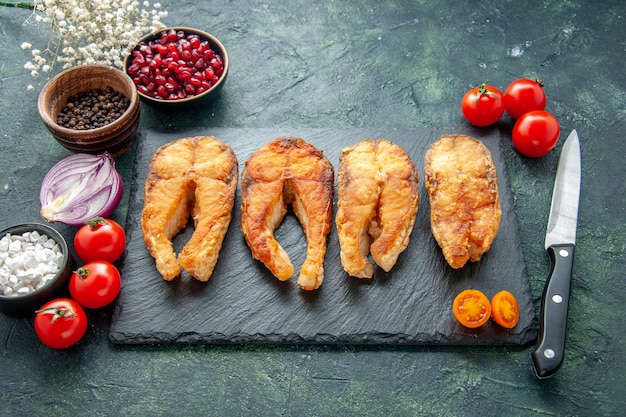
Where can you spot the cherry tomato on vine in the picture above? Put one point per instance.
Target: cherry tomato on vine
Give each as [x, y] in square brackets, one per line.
[95, 284]
[483, 105]
[524, 95]
[100, 240]
[60, 323]
[471, 308]
[504, 309]
[536, 133]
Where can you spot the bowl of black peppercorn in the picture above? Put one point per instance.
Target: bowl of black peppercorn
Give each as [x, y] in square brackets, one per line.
[91, 109]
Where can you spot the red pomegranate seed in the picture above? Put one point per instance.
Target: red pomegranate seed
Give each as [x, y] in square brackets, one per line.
[156, 62]
[171, 36]
[172, 65]
[169, 87]
[186, 55]
[184, 75]
[133, 70]
[184, 45]
[200, 64]
[162, 49]
[194, 41]
[195, 55]
[210, 75]
[173, 82]
[161, 91]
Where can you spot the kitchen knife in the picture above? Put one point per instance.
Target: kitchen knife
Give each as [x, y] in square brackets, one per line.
[547, 356]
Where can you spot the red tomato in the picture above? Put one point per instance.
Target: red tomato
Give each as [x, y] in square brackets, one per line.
[536, 133]
[524, 95]
[60, 323]
[95, 284]
[100, 240]
[482, 105]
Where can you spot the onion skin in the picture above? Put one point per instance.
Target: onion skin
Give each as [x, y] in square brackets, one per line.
[79, 188]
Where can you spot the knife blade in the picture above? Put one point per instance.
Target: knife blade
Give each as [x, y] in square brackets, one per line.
[548, 354]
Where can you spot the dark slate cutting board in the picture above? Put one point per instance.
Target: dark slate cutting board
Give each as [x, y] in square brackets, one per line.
[244, 303]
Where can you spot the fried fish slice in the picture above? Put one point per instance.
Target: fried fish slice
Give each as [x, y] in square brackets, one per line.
[288, 170]
[462, 186]
[190, 177]
[377, 193]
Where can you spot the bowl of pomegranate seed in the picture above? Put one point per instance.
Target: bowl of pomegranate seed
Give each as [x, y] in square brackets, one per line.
[178, 67]
[91, 109]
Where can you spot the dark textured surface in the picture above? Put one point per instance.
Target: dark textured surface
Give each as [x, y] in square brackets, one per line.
[244, 303]
[358, 64]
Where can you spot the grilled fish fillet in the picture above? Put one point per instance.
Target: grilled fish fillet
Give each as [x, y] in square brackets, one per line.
[286, 171]
[462, 186]
[190, 177]
[377, 193]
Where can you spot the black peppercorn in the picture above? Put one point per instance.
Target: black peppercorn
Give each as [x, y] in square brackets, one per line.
[93, 109]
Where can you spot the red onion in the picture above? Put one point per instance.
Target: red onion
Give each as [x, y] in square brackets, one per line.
[79, 188]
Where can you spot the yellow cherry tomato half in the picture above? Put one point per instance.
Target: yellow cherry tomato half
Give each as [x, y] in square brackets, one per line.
[471, 308]
[504, 309]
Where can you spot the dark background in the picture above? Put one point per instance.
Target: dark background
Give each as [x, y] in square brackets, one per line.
[357, 64]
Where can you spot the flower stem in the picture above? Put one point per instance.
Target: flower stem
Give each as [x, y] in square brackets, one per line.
[19, 4]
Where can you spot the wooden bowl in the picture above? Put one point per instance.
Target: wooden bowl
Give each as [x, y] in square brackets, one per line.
[115, 137]
[192, 101]
[26, 305]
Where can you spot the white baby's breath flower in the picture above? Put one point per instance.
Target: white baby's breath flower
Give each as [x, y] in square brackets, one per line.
[91, 31]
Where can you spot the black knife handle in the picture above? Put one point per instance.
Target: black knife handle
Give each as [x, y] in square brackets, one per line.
[547, 356]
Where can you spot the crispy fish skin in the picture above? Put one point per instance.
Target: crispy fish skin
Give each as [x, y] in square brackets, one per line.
[189, 177]
[378, 196]
[462, 186]
[288, 170]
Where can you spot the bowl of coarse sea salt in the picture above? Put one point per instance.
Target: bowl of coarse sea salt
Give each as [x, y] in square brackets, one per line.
[35, 267]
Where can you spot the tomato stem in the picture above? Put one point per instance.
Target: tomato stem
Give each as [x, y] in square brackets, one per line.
[95, 222]
[57, 312]
[82, 272]
[482, 89]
